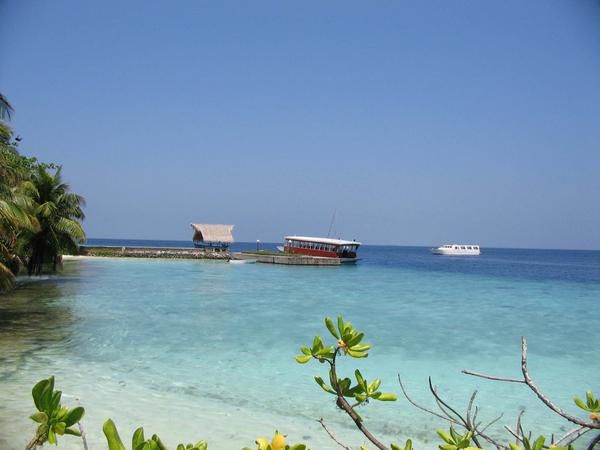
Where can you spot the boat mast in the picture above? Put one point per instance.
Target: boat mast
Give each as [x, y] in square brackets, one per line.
[332, 221]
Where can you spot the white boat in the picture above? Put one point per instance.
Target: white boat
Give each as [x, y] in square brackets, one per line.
[242, 261]
[457, 250]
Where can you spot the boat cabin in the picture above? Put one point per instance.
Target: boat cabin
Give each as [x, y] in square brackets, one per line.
[322, 247]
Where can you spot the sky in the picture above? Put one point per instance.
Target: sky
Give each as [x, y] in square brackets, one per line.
[416, 123]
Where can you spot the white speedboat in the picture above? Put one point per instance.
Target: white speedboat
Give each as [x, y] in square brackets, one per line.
[457, 250]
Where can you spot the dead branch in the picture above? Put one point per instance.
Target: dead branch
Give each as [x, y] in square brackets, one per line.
[530, 383]
[322, 422]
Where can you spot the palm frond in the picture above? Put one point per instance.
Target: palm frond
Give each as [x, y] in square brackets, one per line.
[6, 108]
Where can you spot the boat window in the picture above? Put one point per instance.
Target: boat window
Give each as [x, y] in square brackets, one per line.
[462, 247]
[469, 247]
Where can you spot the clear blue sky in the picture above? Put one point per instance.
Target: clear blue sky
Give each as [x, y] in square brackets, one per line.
[421, 122]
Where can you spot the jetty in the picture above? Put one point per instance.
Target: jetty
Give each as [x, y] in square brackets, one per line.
[154, 252]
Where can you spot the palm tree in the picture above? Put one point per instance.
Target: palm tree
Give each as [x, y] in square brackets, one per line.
[13, 207]
[57, 212]
[5, 108]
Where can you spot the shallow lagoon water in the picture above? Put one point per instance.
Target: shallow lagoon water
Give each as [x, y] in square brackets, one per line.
[205, 350]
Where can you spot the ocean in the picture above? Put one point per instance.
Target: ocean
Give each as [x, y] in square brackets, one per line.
[205, 350]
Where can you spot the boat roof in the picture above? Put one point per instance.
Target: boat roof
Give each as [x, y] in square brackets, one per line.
[322, 240]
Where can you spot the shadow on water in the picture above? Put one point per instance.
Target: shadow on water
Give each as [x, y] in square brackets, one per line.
[36, 316]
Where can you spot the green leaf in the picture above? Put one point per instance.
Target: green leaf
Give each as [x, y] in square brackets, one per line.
[60, 428]
[448, 447]
[374, 385]
[387, 398]
[357, 354]
[323, 385]
[361, 347]
[580, 403]
[303, 359]
[39, 417]
[539, 443]
[355, 340]
[331, 327]
[37, 391]
[304, 349]
[340, 324]
[360, 380]
[137, 440]
[74, 416]
[514, 447]
[444, 436]
[51, 436]
[55, 400]
[72, 432]
[112, 436]
[159, 443]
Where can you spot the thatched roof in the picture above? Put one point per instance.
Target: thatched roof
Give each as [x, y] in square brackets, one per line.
[209, 232]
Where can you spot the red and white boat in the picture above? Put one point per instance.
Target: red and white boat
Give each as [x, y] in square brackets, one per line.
[320, 247]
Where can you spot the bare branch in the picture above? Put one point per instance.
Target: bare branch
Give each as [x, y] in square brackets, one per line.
[529, 382]
[422, 408]
[516, 435]
[491, 423]
[322, 422]
[578, 432]
[441, 402]
[469, 408]
[85, 446]
[593, 443]
[492, 377]
[543, 398]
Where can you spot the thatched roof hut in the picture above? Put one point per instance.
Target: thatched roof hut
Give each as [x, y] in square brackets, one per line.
[212, 233]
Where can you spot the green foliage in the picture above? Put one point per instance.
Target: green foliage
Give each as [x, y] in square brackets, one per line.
[592, 404]
[348, 343]
[58, 212]
[407, 446]
[139, 442]
[36, 226]
[455, 441]
[53, 418]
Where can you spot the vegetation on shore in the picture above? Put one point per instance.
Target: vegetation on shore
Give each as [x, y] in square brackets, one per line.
[40, 218]
[466, 431]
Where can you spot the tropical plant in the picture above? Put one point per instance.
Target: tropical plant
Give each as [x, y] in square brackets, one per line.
[53, 418]
[58, 212]
[139, 442]
[14, 217]
[349, 343]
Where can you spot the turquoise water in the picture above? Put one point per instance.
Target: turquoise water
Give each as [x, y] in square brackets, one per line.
[204, 350]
